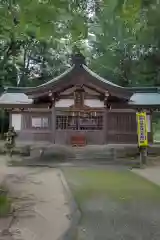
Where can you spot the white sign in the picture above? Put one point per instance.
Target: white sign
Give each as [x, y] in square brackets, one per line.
[38, 122]
[148, 123]
[16, 121]
[45, 122]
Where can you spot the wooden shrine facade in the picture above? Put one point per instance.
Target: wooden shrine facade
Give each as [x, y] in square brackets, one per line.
[78, 106]
[96, 127]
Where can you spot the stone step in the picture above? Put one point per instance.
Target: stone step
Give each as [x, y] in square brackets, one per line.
[95, 152]
[94, 160]
[94, 155]
[105, 156]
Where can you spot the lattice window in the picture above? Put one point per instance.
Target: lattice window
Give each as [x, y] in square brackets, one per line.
[80, 121]
[90, 122]
[61, 122]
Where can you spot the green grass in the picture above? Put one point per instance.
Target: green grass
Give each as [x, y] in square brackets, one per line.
[114, 204]
[120, 185]
[156, 136]
[5, 205]
[156, 130]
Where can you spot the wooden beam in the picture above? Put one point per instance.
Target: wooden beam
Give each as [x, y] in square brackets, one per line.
[94, 88]
[57, 88]
[53, 122]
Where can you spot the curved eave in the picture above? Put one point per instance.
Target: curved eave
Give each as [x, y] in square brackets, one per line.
[108, 84]
[30, 90]
[143, 89]
[95, 75]
[51, 83]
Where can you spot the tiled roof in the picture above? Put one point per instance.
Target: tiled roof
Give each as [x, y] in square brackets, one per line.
[15, 98]
[61, 76]
[146, 99]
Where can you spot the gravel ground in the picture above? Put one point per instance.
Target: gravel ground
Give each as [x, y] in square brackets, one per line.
[41, 207]
[105, 219]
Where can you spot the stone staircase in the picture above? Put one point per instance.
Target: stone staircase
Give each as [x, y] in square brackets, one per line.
[95, 154]
[45, 154]
[58, 155]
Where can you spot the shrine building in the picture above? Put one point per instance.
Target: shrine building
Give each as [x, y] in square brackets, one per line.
[79, 104]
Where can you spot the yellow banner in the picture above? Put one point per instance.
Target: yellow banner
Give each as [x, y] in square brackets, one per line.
[142, 129]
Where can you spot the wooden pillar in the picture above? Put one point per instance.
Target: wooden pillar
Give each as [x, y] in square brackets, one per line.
[105, 124]
[53, 123]
[151, 128]
[10, 119]
[106, 117]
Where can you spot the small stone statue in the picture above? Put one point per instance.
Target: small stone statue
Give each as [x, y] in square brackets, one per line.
[10, 140]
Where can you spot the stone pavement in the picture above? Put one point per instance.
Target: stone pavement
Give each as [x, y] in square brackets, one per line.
[150, 173]
[41, 208]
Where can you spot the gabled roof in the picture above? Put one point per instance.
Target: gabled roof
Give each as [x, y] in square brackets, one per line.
[72, 76]
[136, 96]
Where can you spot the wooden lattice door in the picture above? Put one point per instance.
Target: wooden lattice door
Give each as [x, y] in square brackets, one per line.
[80, 123]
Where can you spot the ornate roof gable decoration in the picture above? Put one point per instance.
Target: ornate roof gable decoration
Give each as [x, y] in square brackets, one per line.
[77, 57]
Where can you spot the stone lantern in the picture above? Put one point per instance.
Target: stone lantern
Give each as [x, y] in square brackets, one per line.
[10, 140]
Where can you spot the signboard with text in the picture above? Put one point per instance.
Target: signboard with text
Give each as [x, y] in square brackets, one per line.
[142, 129]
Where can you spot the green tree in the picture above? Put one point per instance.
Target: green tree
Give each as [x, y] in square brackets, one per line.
[120, 39]
[28, 25]
[125, 41]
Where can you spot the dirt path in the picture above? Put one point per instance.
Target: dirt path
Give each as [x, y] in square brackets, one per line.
[150, 173]
[42, 211]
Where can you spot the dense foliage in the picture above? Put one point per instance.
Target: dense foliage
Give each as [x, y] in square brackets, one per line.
[120, 39]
